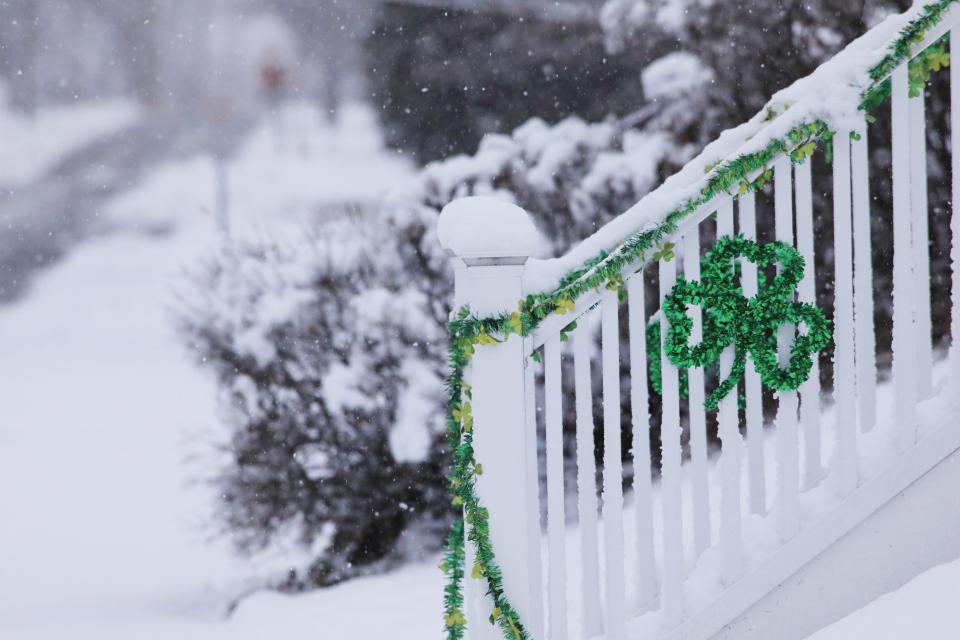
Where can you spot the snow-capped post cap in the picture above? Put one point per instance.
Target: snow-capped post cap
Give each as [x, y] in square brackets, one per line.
[487, 230]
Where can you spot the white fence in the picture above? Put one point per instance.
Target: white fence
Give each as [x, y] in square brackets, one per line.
[671, 556]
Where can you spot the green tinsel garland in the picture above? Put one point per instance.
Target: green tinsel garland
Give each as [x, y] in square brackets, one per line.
[654, 363]
[471, 518]
[607, 270]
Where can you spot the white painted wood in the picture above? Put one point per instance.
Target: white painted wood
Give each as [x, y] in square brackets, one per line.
[672, 602]
[919, 210]
[646, 572]
[725, 218]
[698, 416]
[556, 516]
[864, 333]
[587, 482]
[904, 336]
[501, 441]
[501, 446]
[806, 292]
[812, 541]
[788, 453]
[461, 295]
[955, 215]
[536, 622]
[731, 544]
[756, 473]
[554, 323]
[615, 615]
[844, 465]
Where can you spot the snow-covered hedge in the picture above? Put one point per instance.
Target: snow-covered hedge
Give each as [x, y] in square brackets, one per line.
[330, 348]
[330, 381]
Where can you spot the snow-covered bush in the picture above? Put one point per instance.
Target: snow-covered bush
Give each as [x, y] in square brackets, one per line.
[330, 367]
[571, 177]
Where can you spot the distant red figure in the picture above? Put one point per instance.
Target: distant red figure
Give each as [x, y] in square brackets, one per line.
[273, 80]
[273, 77]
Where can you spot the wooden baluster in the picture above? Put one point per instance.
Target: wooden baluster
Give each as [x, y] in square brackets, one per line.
[845, 455]
[904, 335]
[810, 390]
[500, 401]
[754, 394]
[556, 517]
[788, 468]
[615, 619]
[587, 482]
[640, 410]
[919, 210]
[955, 215]
[865, 339]
[536, 623]
[672, 603]
[731, 551]
[698, 416]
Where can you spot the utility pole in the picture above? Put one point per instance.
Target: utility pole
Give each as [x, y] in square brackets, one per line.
[20, 52]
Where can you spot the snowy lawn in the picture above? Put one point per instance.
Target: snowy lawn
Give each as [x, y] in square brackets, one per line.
[106, 428]
[926, 607]
[31, 146]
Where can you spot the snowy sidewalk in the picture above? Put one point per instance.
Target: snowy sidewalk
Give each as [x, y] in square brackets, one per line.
[106, 425]
[100, 526]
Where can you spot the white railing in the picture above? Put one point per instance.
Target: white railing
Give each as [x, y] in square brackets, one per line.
[626, 568]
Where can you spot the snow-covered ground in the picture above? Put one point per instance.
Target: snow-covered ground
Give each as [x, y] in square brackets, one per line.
[926, 607]
[32, 145]
[106, 425]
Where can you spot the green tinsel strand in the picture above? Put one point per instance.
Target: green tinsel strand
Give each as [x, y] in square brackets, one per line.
[471, 519]
[654, 360]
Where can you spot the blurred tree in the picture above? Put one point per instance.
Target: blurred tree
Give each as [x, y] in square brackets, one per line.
[136, 31]
[752, 49]
[443, 78]
[327, 34]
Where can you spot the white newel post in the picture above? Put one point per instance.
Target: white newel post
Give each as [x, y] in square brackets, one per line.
[491, 240]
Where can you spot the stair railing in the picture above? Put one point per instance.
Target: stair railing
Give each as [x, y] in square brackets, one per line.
[622, 568]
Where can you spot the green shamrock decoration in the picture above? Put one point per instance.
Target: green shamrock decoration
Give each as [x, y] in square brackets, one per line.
[749, 324]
